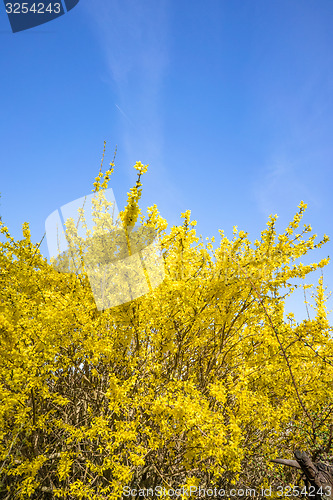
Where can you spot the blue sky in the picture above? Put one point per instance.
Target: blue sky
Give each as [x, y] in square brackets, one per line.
[229, 101]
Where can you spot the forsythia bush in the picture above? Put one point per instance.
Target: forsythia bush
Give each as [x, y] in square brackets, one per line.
[198, 382]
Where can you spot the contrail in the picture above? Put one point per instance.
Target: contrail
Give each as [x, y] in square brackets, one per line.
[124, 114]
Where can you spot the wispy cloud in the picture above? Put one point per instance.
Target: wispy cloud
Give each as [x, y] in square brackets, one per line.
[281, 184]
[133, 36]
[135, 39]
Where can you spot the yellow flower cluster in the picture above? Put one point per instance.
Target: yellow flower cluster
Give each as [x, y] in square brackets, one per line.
[199, 381]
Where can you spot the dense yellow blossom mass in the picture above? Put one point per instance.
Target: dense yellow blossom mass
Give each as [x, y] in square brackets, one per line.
[198, 382]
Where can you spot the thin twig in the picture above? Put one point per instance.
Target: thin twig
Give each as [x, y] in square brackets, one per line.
[279, 342]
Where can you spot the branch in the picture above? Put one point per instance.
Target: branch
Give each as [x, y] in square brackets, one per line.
[290, 463]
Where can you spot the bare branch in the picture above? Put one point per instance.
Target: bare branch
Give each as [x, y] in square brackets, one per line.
[290, 463]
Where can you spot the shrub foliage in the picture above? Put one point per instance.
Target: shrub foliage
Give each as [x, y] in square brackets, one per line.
[199, 382]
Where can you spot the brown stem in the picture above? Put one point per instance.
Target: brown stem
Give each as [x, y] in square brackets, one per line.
[279, 342]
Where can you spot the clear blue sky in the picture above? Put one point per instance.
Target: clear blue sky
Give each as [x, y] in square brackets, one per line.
[229, 101]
